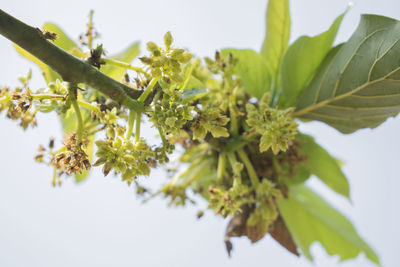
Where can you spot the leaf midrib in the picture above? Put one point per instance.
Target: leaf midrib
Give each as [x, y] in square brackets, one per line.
[327, 101]
[351, 92]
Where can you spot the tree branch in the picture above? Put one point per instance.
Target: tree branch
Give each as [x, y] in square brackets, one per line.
[70, 68]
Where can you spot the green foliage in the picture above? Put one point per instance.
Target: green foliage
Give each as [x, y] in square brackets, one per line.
[311, 219]
[302, 59]
[356, 85]
[323, 165]
[276, 37]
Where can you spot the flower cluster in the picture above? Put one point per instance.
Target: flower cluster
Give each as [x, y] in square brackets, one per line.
[125, 157]
[198, 107]
[72, 159]
[227, 202]
[276, 127]
[177, 194]
[171, 113]
[17, 104]
[211, 120]
[166, 63]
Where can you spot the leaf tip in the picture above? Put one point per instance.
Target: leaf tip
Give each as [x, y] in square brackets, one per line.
[350, 5]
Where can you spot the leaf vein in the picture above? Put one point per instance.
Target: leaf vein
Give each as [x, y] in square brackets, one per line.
[378, 59]
[351, 58]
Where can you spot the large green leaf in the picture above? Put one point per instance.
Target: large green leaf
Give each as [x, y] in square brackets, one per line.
[126, 56]
[358, 83]
[277, 35]
[310, 219]
[323, 165]
[253, 71]
[302, 59]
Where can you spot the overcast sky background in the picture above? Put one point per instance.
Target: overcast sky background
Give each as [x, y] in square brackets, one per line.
[101, 223]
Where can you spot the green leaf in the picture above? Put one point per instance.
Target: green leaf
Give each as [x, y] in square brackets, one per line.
[323, 165]
[300, 176]
[277, 35]
[194, 83]
[302, 59]
[252, 69]
[358, 83]
[126, 56]
[194, 94]
[191, 82]
[310, 218]
[48, 74]
[206, 177]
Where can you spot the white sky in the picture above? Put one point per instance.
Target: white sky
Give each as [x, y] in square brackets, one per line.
[100, 222]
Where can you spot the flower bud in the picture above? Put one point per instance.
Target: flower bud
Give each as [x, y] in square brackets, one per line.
[120, 131]
[156, 72]
[177, 78]
[168, 39]
[185, 57]
[177, 52]
[151, 47]
[110, 133]
[146, 60]
[117, 143]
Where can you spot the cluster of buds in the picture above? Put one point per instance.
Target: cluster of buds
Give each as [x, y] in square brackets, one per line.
[95, 57]
[166, 63]
[73, 159]
[221, 65]
[171, 113]
[109, 117]
[161, 153]
[227, 202]
[225, 86]
[176, 193]
[276, 127]
[17, 103]
[23, 100]
[125, 157]
[69, 160]
[211, 120]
